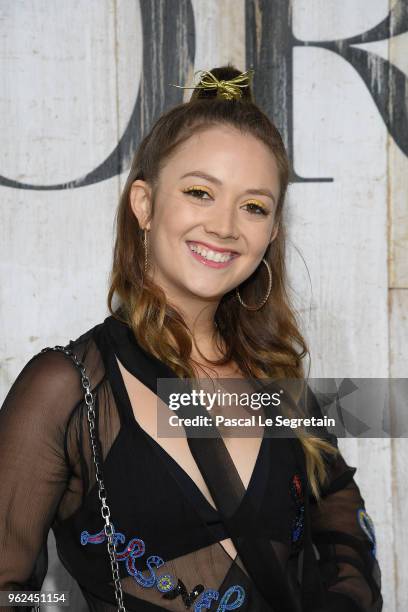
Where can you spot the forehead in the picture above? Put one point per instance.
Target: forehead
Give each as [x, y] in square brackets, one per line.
[225, 152]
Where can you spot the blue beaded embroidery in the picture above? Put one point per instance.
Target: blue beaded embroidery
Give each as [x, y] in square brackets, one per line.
[367, 526]
[296, 490]
[167, 584]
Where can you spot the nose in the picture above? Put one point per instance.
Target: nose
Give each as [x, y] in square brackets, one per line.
[222, 222]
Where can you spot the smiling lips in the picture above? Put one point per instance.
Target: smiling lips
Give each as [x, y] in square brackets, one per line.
[215, 258]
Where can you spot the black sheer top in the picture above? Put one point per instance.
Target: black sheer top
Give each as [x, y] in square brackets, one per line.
[292, 554]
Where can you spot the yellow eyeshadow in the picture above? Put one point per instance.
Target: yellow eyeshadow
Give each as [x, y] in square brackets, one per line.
[205, 189]
[197, 187]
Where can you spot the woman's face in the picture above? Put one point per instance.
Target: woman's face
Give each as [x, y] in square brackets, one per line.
[213, 215]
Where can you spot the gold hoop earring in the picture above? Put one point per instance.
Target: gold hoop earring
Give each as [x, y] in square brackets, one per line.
[146, 262]
[267, 295]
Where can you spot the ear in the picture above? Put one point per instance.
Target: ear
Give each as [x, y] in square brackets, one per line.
[274, 233]
[140, 201]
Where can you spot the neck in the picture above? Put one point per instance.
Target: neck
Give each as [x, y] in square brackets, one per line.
[199, 316]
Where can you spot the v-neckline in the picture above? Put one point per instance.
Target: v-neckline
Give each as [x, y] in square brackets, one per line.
[239, 513]
[126, 349]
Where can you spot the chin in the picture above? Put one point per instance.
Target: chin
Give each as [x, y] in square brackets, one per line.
[204, 292]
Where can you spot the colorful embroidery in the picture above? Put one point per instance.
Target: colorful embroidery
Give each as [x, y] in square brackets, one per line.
[296, 490]
[167, 584]
[224, 603]
[87, 538]
[204, 603]
[367, 526]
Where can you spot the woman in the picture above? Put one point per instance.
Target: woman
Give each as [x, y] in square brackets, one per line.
[249, 523]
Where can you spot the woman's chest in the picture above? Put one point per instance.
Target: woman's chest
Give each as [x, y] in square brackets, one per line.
[263, 470]
[243, 451]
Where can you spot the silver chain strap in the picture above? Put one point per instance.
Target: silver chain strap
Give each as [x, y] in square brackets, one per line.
[108, 527]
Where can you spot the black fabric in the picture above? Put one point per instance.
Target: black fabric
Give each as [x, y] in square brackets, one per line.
[48, 481]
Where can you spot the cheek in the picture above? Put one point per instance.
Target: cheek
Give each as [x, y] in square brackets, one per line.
[178, 224]
[169, 232]
[258, 241]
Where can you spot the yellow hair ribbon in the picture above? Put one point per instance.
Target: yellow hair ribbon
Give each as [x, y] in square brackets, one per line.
[227, 89]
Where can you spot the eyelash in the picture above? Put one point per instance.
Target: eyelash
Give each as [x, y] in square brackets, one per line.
[193, 190]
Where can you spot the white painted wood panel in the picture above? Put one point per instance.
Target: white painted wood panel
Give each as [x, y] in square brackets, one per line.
[399, 446]
[71, 73]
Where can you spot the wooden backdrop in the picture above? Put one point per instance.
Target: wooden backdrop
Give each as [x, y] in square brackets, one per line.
[82, 82]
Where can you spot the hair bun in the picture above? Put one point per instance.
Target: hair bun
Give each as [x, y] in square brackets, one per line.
[208, 87]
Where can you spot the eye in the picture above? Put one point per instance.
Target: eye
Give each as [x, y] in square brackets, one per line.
[258, 209]
[196, 192]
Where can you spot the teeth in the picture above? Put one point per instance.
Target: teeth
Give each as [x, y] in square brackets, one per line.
[211, 255]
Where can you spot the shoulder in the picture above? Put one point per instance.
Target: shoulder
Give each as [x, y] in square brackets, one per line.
[81, 344]
[52, 374]
[47, 392]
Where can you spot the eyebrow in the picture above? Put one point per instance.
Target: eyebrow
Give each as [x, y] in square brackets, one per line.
[216, 181]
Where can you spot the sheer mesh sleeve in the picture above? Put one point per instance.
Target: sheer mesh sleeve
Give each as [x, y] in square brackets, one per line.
[343, 533]
[33, 466]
